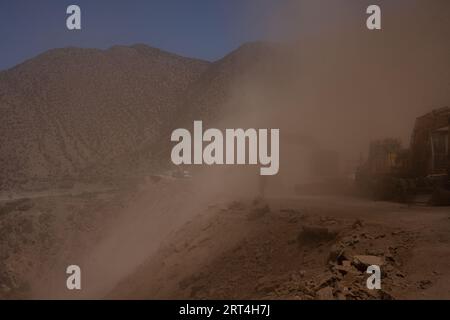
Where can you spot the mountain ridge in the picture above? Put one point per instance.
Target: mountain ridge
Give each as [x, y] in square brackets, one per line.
[68, 108]
[81, 113]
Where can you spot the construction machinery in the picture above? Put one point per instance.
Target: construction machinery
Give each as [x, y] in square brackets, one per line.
[420, 172]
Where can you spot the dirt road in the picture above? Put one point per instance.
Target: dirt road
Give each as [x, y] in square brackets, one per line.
[169, 240]
[246, 250]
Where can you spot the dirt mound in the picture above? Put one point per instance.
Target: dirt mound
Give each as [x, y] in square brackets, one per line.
[282, 254]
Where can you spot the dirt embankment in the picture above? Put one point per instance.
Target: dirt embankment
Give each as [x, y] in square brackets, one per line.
[308, 248]
[162, 242]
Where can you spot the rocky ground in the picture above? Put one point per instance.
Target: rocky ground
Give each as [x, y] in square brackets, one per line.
[305, 248]
[299, 247]
[39, 233]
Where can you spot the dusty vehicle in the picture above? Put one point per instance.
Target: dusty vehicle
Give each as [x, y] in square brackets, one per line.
[177, 173]
[394, 173]
[430, 144]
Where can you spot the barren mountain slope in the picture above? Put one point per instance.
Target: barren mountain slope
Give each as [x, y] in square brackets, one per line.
[240, 82]
[244, 82]
[68, 109]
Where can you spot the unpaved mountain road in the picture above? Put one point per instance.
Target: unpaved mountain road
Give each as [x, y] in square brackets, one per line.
[247, 250]
[53, 193]
[196, 240]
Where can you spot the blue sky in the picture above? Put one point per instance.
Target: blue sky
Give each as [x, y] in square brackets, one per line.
[206, 29]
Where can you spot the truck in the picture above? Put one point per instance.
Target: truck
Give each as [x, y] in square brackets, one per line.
[419, 173]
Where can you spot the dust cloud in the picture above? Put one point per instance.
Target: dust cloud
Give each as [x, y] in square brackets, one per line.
[329, 84]
[150, 217]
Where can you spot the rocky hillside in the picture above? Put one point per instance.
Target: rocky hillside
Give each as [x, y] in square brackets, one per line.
[242, 79]
[86, 114]
[70, 109]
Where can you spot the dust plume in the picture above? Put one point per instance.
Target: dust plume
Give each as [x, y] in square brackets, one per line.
[327, 83]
